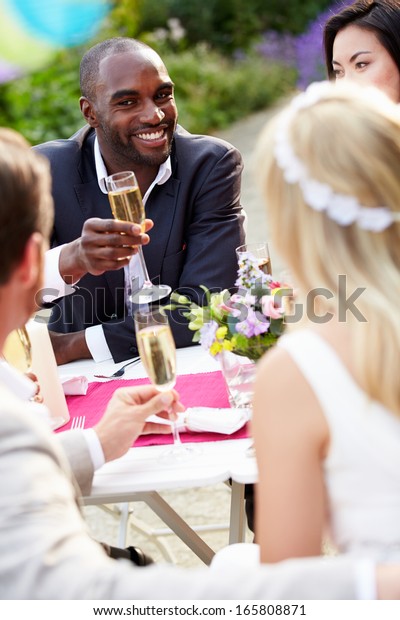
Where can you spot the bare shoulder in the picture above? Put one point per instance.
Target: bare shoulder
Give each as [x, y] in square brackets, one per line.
[284, 399]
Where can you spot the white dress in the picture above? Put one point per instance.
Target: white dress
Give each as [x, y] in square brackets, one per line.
[362, 467]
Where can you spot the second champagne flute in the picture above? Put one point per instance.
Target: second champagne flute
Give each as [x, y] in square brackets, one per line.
[258, 252]
[158, 354]
[126, 204]
[18, 350]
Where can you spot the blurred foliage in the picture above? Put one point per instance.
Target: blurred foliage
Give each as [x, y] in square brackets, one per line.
[217, 78]
[212, 92]
[226, 25]
[45, 104]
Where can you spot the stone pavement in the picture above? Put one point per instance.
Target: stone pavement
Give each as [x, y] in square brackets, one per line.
[208, 505]
[244, 134]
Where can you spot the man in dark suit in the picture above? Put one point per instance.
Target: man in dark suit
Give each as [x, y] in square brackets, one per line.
[190, 185]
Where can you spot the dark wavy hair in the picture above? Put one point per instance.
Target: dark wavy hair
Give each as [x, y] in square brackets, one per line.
[382, 17]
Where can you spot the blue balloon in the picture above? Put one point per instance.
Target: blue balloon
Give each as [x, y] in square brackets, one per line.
[62, 22]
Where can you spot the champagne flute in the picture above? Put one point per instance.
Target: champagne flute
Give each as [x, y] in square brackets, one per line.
[18, 350]
[126, 204]
[257, 252]
[158, 354]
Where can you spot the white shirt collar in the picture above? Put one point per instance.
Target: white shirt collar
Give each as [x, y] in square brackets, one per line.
[164, 171]
[16, 382]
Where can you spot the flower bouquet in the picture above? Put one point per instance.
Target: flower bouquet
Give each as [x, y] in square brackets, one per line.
[247, 322]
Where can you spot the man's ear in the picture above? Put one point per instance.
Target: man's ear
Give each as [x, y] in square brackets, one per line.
[88, 112]
[31, 265]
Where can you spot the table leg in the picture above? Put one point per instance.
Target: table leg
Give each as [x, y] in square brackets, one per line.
[237, 526]
[177, 525]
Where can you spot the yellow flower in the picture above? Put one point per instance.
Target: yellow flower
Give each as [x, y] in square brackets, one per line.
[215, 348]
[221, 332]
[227, 345]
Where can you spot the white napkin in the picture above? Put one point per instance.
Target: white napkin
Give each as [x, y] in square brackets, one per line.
[74, 385]
[209, 420]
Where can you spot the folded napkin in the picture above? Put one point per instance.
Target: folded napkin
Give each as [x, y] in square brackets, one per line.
[225, 421]
[74, 385]
[209, 420]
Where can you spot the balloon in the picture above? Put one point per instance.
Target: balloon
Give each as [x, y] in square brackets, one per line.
[61, 22]
[17, 47]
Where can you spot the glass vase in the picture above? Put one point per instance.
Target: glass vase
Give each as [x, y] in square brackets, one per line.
[239, 373]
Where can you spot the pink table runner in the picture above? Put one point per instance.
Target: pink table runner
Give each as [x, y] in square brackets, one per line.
[201, 390]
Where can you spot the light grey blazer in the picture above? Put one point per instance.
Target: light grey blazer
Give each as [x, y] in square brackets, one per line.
[75, 447]
[47, 553]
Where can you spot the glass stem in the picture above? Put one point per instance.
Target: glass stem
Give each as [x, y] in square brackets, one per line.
[176, 435]
[147, 283]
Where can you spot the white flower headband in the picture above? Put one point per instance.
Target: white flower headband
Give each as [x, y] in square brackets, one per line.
[341, 208]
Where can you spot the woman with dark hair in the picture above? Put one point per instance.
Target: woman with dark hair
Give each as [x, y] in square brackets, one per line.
[362, 44]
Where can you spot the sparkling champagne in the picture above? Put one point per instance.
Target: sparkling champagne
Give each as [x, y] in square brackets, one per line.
[157, 352]
[265, 265]
[127, 205]
[17, 349]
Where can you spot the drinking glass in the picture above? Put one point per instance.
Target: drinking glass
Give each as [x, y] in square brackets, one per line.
[18, 350]
[158, 354]
[126, 204]
[257, 252]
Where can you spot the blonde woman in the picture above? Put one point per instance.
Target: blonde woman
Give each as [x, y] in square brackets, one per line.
[327, 400]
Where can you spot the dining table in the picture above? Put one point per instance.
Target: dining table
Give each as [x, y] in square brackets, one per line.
[141, 474]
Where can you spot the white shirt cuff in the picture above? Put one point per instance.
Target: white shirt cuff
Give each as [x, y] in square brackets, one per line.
[365, 580]
[95, 449]
[97, 344]
[55, 286]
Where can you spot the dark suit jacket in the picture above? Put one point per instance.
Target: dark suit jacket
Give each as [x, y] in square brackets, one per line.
[198, 223]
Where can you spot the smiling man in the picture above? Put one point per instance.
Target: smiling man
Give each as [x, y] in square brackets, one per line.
[191, 190]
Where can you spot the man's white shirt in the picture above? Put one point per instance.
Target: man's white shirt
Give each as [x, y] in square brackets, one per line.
[55, 285]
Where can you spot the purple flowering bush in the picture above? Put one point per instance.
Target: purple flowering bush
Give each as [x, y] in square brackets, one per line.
[303, 52]
[247, 322]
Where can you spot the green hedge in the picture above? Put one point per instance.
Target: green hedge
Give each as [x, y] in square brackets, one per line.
[212, 88]
[211, 92]
[226, 25]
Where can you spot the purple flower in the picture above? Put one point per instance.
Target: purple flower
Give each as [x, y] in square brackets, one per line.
[254, 324]
[277, 46]
[207, 334]
[304, 52]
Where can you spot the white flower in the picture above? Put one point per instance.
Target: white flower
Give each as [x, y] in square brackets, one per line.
[343, 209]
[376, 219]
[317, 195]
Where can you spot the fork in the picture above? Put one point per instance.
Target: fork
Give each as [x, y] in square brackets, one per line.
[120, 371]
[78, 422]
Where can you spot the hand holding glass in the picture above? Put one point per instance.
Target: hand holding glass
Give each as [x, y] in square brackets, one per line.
[126, 205]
